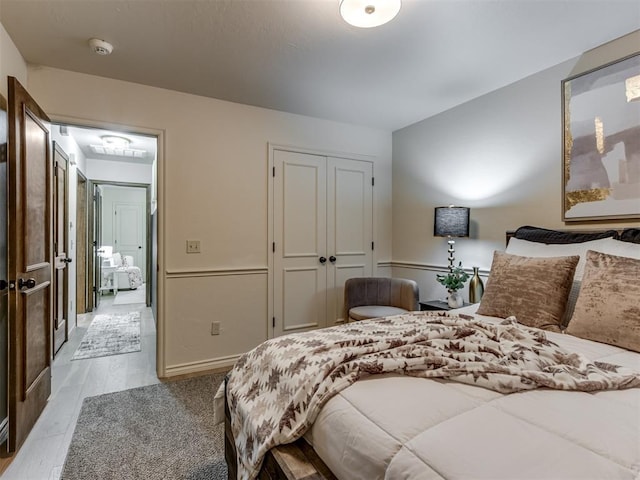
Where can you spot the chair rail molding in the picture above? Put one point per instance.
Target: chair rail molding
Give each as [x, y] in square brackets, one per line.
[215, 272]
[430, 267]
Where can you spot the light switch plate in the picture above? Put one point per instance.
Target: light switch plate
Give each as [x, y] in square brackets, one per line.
[215, 328]
[193, 246]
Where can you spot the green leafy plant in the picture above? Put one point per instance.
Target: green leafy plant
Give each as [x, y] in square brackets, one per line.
[454, 280]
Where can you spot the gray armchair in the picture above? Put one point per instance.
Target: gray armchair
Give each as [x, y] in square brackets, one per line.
[372, 297]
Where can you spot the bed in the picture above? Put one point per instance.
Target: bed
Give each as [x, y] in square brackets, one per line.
[395, 425]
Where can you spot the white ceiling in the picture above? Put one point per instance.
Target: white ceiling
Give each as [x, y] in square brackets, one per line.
[299, 56]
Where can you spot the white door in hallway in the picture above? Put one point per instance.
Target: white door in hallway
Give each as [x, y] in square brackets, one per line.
[323, 235]
[129, 233]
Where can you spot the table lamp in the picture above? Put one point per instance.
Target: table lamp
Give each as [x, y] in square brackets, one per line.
[451, 222]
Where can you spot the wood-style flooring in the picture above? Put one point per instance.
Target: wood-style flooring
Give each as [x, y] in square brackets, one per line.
[43, 453]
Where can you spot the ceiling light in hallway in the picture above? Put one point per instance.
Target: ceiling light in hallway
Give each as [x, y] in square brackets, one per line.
[369, 13]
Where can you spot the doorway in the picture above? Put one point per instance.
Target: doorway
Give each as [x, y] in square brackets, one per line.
[111, 236]
[123, 238]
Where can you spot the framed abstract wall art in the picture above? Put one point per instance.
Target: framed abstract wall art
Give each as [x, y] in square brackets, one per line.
[601, 142]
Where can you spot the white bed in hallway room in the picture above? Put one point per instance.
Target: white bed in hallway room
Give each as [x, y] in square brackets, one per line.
[398, 426]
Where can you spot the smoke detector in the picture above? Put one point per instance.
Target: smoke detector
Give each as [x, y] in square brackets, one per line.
[100, 47]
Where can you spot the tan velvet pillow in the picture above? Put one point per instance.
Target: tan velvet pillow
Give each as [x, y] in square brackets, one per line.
[608, 306]
[533, 289]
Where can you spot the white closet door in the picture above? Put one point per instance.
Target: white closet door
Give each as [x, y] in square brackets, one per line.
[299, 216]
[349, 228]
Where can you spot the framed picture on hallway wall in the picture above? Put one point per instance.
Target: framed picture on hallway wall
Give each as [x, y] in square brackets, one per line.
[601, 142]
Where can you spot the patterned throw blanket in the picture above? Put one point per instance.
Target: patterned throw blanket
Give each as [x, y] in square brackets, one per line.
[276, 390]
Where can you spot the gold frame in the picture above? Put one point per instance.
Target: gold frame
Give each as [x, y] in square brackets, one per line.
[587, 151]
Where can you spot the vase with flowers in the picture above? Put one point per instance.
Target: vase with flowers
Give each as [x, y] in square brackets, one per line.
[454, 281]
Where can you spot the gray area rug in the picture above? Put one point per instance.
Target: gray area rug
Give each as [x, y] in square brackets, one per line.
[110, 335]
[162, 431]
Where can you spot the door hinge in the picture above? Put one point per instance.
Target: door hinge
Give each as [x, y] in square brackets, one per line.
[273, 247]
[372, 246]
[373, 181]
[273, 322]
[273, 171]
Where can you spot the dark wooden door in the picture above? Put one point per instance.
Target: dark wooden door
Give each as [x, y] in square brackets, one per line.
[91, 249]
[82, 283]
[4, 291]
[30, 262]
[97, 242]
[60, 243]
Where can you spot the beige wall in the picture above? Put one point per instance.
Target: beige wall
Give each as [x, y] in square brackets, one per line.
[213, 181]
[11, 62]
[499, 154]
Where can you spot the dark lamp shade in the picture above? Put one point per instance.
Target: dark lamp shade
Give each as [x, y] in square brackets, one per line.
[451, 222]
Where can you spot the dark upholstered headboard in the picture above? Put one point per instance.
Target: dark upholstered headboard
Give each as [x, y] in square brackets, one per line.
[544, 235]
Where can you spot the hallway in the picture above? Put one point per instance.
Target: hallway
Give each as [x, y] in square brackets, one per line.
[43, 453]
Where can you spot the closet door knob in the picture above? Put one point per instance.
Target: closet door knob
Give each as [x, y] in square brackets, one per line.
[332, 259]
[322, 260]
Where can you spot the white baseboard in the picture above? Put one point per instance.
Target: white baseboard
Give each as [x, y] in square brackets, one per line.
[201, 366]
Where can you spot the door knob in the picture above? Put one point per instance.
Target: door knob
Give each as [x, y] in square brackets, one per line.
[29, 283]
[67, 260]
[140, 246]
[3, 284]
[322, 260]
[332, 259]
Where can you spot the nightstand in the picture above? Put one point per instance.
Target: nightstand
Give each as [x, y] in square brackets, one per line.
[437, 305]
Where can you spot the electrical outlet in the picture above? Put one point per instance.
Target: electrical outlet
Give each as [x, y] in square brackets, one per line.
[215, 328]
[193, 246]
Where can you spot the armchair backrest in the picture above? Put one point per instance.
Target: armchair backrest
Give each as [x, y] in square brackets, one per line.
[393, 292]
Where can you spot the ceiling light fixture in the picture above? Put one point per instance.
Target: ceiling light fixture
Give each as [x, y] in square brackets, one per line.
[117, 146]
[115, 141]
[118, 151]
[100, 47]
[369, 13]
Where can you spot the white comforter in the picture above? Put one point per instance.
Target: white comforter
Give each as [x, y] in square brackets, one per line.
[399, 427]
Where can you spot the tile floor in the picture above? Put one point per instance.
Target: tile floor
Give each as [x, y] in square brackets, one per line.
[43, 453]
